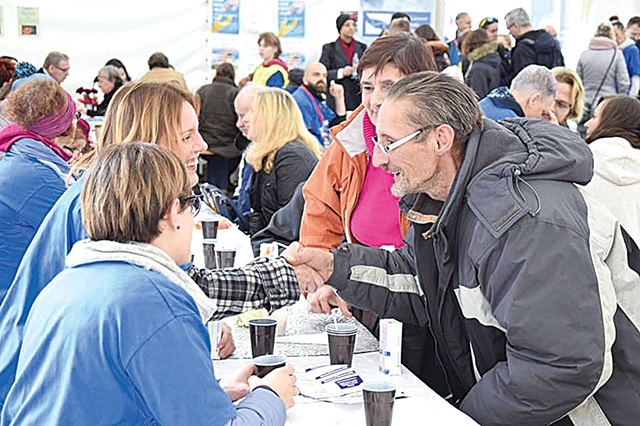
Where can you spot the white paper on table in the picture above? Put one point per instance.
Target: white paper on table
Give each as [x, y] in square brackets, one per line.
[331, 383]
[305, 339]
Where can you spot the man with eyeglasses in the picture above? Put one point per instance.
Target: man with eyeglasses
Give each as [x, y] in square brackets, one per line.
[56, 66]
[522, 279]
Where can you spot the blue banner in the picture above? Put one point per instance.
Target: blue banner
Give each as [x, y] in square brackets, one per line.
[225, 18]
[291, 18]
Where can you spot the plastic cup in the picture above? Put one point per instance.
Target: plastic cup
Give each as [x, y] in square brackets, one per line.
[210, 229]
[209, 250]
[378, 400]
[225, 257]
[342, 342]
[262, 332]
[265, 364]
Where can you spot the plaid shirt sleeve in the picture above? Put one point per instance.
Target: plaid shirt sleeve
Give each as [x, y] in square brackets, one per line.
[263, 283]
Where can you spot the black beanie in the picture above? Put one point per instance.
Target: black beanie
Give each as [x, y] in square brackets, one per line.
[341, 20]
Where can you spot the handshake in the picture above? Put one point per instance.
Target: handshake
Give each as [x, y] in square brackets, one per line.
[313, 267]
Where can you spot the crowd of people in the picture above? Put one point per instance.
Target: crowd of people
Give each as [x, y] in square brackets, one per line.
[481, 193]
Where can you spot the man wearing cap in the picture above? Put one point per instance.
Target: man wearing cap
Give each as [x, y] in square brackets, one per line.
[341, 59]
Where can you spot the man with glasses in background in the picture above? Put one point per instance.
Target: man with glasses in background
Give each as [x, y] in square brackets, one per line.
[522, 279]
[56, 66]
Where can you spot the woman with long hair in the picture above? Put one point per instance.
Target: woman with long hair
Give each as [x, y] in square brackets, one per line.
[282, 152]
[613, 134]
[35, 166]
[164, 114]
[118, 335]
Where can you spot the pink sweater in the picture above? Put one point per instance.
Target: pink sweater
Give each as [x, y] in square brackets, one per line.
[375, 220]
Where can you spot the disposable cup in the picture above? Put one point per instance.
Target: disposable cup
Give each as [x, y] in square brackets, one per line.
[265, 364]
[342, 342]
[262, 332]
[378, 400]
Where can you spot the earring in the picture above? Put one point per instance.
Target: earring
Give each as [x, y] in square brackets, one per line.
[178, 227]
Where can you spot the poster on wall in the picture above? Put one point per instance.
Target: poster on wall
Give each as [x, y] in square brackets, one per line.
[225, 18]
[220, 55]
[377, 14]
[294, 60]
[28, 21]
[291, 18]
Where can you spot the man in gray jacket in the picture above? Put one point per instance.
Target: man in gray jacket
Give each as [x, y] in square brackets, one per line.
[523, 280]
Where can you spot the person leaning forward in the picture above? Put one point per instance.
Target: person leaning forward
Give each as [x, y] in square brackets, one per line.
[523, 279]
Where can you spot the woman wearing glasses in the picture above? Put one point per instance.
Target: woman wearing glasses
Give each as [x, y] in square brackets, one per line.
[347, 198]
[163, 114]
[34, 168]
[118, 336]
[570, 96]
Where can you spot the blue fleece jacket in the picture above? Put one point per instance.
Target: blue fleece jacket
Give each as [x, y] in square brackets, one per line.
[499, 104]
[309, 106]
[31, 180]
[113, 343]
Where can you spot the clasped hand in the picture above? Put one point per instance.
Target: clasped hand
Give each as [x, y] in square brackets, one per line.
[312, 266]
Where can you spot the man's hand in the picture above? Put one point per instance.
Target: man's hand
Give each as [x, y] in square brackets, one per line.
[336, 90]
[237, 385]
[550, 116]
[323, 300]
[226, 346]
[312, 266]
[347, 71]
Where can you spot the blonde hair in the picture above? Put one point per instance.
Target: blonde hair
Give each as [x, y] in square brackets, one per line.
[568, 76]
[280, 122]
[142, 111]
[605, 29]
[127, 192]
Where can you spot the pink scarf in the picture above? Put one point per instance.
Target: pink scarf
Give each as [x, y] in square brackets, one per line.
[13, 133]
[602, 43]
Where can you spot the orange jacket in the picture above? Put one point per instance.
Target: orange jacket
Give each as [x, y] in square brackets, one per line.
[332, 191]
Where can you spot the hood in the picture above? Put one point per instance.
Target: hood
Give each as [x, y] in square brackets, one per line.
[483, 51]
[542, 40]
[275, 61]
[616, 161]
[500, 159]
[602, 43]
[502, 97]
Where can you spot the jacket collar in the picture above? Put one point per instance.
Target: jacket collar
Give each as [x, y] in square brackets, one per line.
[349, 133]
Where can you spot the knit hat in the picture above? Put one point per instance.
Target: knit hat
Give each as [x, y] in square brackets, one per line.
[342, 19]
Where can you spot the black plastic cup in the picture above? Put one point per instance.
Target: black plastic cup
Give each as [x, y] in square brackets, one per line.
[265, 364]
[225, 257]
[209, 229]
[262, 332]
[209, 250]
[378, 400]
[342, 342]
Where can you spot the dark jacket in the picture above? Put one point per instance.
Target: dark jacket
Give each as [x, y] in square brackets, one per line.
[269, 192]
[334, 58]
[535, 47]
[483, 73]
[524, 280]
[218, 117]
[101, 108]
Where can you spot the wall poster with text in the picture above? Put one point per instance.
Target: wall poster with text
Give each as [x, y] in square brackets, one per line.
[291, 18]
[225, 18]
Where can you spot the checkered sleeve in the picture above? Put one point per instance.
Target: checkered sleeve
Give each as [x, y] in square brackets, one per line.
[263, 283]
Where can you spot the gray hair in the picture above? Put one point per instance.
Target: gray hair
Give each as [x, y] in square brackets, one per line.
[517, 16]
[54, 58]
[535, 79]
[111, 73]
[438, 99]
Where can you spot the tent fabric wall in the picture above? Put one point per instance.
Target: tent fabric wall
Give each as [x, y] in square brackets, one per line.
[93, 32]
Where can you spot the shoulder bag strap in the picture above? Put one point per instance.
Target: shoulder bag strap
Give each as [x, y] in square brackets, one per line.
[615, 50]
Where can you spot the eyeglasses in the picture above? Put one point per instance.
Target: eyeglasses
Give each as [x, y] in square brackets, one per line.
[487, 21]
[193, 200]
[66, 70]
[562, 104]
[396, 144]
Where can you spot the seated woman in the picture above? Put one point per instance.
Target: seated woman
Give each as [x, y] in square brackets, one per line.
[272, 72]
[613, 134]
[570, 97]
[124, 74]
[34, 168]
[164, 114]
[283, 153]
[101, 335]
[109, 81]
